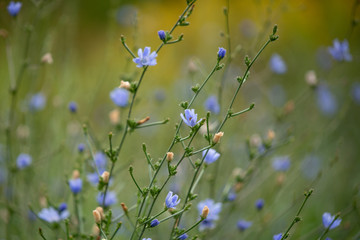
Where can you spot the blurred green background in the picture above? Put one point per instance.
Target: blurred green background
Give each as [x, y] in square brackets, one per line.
[89, 61]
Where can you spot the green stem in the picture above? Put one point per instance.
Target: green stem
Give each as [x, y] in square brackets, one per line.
[328, 228]
[116, 230]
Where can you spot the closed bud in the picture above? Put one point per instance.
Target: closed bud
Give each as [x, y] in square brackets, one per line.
[144, 120]
[97, 216]
[114, 116]
[169, 156]
[101, 211]
[75, 174]
[105, 176]
[47, 58]
[204, 212]
[124, 207]
[217, 137]
[310, 78]
[95, 230]
[125, 84]
[271, 135]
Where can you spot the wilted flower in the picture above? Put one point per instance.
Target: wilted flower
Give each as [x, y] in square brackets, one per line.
[145, 58]
[328, 219]
[326, 101]
[243, 225]
[340, 51]
[14, 8]
[37, 102]
[171, 200]
[52, 215]
[211, 156]
[221, 53]
[281, 163]
[214, 211]
[120, 97]
[23, 161]
[212, 104]
[190, 117]
[277, 236]
[259, 204]
[277, 64]
[73, 107]
[110, 198]
[154, 223]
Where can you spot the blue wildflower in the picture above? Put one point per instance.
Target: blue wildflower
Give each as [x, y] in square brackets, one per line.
[100, 160]
[62, 207]
[120, 97]
[154, 223]
[23, 161]
[214, 211]
[277, 236]
[183, 236]
[81, 147]
[14, 8]
[212, 104]
[146, 239]
[277, 64]
[110, 198]
[328, 219]
[145, 58]
[75, 185]
[340, 51]
[221, 53]
[72, 107]
[162, 35]
[259, 204]
[355, 92]
[52, 215]
[37, 102]
[326, 101]
[281, 163]
[171, 200]
[93, 178]
[231, 196]
[211, 156]
[242, 225]
[190, 117]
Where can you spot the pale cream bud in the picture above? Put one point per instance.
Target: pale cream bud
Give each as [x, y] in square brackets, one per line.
[310, 78]
[95, 230]
[114, 116]
[217, 137]
[169, 156]
[105, 176]
[255, 140]
[143, 120]
[204, 212]
[124, 207]
[101, 211]
[75, 174]
[97, 216]
[271, 135]
[125, 84]
[192, 66]
[47, 58]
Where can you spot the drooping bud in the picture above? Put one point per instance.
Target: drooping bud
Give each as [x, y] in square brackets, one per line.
[105, 176]
[125, 84]
[217, 137]
[204, 212]
[97, 216]
[169, 156]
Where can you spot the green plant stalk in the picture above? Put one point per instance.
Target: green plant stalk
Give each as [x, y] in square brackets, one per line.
[328, 228]
[78, 213]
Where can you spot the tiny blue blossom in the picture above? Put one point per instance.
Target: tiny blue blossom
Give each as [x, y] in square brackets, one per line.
[340, 51]
[110, 198]
[190, 117]
[93, 178]
[162, 35]
[259, 204]
[211, 156]
[221, 53]
[100, 160]
[62, 207]
[145, 58]
[81, 147]
[183, 236]
[14, 8]
[75, 185]
[120, 97]
[328, 219]
[277, 64]
[23, 161]
[171, 200]
[242, 225]
[214, 211]
[37, 102]
[326, 101]
[154, 223]
[72, 107]
[281, 163]
[277, 236]
[327, 238]
[52, 215]
[355, 92]
[212, 105]
[231, 196]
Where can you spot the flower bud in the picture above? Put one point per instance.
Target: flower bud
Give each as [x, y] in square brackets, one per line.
[101, 211]
[95, 230]
[124, 207]
[143, 120]
[205, 212]
[162, 35]
[114, 116]
[169, 156]
[217, 137]
[154, 223]
[105, 176]
[310, 78]
[125, 84]
[97, 216]
[271, 135]
[75, 174]
[221, 53]
[47, 58]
